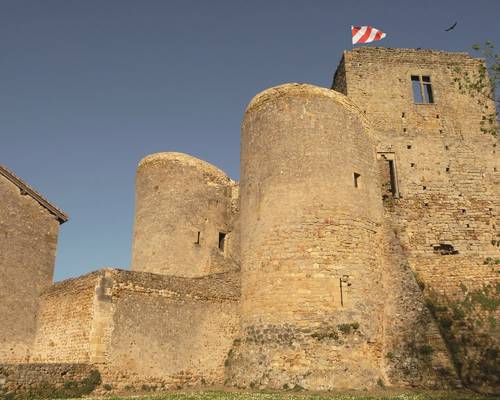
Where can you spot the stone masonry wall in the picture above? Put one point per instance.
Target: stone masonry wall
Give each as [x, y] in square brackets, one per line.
[65, 321]
[414, 352]
[142, 328]
[171, 339]
[18, 378]
[28, 240]
[466, 305]
[445, 214]
[171, 331]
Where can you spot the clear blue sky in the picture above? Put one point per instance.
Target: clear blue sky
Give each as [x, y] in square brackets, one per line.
[89, 87]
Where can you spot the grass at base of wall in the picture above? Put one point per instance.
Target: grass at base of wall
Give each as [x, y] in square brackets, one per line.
[216, 395]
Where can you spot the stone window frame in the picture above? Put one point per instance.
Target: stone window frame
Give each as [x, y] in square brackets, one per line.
[425, 88]
[390, 157]
[222, 242]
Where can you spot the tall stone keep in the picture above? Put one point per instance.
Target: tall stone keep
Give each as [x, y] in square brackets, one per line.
[183, 220]
[442, 192]
[310, 217]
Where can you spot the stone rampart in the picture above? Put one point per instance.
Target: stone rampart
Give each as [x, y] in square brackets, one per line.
[142, 328]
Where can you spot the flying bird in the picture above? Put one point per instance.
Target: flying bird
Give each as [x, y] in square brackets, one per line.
[451, 27]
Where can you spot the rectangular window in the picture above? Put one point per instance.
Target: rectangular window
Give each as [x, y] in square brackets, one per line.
[422, 89]
[222, 240]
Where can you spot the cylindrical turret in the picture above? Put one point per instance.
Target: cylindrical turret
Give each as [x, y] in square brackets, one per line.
[310, 214]
[182, 217]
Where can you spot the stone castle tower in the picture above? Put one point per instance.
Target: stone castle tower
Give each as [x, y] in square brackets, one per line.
[361, 246]
[350, 201]
[337, 247]
[310, 218]
[182, 205]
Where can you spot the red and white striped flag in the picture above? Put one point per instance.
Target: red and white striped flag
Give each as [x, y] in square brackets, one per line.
[365, 34]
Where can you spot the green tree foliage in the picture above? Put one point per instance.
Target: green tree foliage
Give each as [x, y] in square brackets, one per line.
[484, 85]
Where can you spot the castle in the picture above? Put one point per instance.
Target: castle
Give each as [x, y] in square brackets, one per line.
[359, 248]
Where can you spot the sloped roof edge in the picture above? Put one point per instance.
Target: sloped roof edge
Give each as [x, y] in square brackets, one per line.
[26, 189]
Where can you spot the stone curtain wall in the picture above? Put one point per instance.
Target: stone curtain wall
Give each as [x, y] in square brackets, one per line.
[142, 328]
[304, 226]
[183, 205]
[445, 219]
[65, 321]
[172, 332]
[28, 240]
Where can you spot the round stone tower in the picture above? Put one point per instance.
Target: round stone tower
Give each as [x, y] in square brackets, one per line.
[310, 215]
[182, 216]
